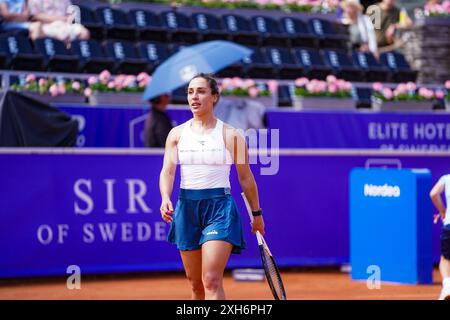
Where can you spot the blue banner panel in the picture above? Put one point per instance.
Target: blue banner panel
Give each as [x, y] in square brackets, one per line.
[123, 127]
[99, 209]
[390, 225]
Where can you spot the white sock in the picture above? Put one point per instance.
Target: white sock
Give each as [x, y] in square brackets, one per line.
[446, 282]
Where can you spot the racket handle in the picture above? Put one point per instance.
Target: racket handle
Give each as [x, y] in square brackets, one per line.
[247, 205]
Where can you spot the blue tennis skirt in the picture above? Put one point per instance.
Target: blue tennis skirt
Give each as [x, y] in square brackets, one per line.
[204, 215]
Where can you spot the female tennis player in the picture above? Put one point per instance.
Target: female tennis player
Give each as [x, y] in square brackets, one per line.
[206, 225]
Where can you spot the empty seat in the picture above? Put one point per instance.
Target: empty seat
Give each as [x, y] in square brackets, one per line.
[373, 70]
[284, 63]
[363, 97]
[92, 57]
[258, 66]
[56, 56]
[148, 25]
[327, 36]
[314, 66]
[269, 32]
[116, 24]
[179, 27]
[88, 18]
[153, 52]
[285, 93]
[298, 32]
[240, 30]
[20, 54]
[125, 56]
[396, 62]
[209, 27]
[342, 66]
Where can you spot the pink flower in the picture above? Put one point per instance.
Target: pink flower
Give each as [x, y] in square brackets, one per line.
[76, 85]
[301, 82]
[249, 83]
[237, 82]
[347, 86]
[429, 95]
[53, 90]
[273, 86]
[129, 81]
[30, 78]
[142, 76]
[423, 92]
[387, 93]
[377, 86]
[227, 83]
[92, 80]
[104, 76]
[253, 92]
[333, 88]
[411, 86]
[402, 88]
[111, 85]
[61, 88]
[87, 92]
[331, 78]
[42, 82]
[440, 94]
[278, 2]
[447, 84]
[262, 2]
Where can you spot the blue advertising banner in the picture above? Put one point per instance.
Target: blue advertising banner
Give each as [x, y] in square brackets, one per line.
[123, 127]
[99, 209]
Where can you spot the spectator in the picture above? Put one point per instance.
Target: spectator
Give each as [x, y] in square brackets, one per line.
[362, 34]
[158, 123]
[241, 113]
[17, 17]
[388, 15]
[57, 20]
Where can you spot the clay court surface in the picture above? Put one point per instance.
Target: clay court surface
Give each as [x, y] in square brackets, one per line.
[300, 285]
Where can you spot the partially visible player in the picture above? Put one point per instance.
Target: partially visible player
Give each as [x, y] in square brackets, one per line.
[444, 214]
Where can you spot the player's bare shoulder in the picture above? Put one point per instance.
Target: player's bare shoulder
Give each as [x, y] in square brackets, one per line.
[231, 133]
[175, 133]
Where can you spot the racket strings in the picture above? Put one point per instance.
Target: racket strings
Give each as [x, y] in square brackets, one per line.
[274, 275]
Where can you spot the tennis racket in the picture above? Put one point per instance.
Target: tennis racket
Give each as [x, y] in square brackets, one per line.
[270, 267]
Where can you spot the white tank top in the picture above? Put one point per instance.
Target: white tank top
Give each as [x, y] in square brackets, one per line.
[204, 160]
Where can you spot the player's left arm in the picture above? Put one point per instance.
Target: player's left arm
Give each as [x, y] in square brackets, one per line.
[237, 147]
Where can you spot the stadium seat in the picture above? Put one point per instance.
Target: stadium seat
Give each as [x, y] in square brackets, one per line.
[125, 56]
[285, 95]
[362, 97]
[56, 56]
[373, 70]
[209, 27]
[284, 63]
[240, 30]
[298, 32]
[269, 32]
[396, 62]
[258, 66]
[153, 52]
[327, 36]
[20, 54]
[179, 27]
[342, 66]
[148, 25]
[312, 62]
[92, 58]
[88, 18]
[116, 24]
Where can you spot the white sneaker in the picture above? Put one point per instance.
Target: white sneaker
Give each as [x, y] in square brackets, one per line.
[445, 293]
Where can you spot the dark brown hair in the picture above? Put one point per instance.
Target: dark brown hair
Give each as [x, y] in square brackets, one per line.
[212, 83]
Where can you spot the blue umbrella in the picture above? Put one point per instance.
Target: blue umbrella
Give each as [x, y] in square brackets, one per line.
[180, 68]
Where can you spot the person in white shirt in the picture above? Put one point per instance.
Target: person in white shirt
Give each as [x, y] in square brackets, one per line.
[361, 30]
[442, 185]
[206, 224]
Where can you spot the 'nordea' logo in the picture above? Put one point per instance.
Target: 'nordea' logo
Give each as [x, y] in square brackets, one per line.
[385, 190]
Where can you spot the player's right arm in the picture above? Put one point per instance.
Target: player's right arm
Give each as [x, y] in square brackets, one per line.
[435, 195]
[167, 175]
